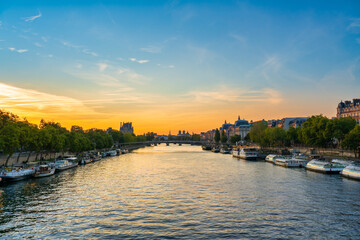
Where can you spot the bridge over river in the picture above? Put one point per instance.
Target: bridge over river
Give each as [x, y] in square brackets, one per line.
[149, 143]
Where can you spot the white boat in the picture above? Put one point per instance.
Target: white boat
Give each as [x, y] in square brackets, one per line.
[290, 162]
[246, 153]
[112, 153]
[271, 158]
[44, 170]
[16, 174]
[64, 164]
[225, 151]
[325, 166]
[351, 171]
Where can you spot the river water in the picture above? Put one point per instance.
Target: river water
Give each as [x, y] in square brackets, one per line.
[181, 192]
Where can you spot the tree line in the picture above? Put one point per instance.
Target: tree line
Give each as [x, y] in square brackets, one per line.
[316, 131]
[18, 135]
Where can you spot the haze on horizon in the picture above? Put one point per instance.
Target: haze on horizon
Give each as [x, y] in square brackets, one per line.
[176, 65]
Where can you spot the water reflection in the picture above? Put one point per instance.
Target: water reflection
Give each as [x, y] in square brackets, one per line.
[180, 192]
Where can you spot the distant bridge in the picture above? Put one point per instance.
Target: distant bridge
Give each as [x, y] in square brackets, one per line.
[149, 143]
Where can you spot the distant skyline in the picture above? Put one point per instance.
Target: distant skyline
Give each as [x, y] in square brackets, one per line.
[177, 65]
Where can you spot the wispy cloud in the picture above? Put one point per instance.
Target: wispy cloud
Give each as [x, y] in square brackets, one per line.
[166, 66]
[354, 25]
[32, 18]
[102, 66]
[235, 95]
[87, 51]
[27, 100]
[238, 37]
[138, 61]
[151, 49]
[18, 50]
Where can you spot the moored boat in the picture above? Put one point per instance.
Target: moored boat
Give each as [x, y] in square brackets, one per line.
[12, 174]
[324, 166]
[215, 150]
[271, 158]
[351, 171]
[44, 170]
[64, 164]
[246, 153]
[225, 151]
[290, 162]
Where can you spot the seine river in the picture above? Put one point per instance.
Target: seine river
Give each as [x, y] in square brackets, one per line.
[181, 192]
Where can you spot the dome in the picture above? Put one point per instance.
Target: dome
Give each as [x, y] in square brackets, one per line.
[240, 122]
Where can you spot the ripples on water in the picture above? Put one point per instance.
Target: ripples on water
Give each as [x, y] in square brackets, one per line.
[172, 192]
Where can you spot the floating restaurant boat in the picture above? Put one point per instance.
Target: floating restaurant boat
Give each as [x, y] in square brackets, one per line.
[352, 171]
[271, 158]
[246, 153]
[290, 162]
[12, 174]
[44, 170]
[325, 166]
[64, 164]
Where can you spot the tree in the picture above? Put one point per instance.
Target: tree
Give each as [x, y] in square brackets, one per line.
[352, 140]
[9, 139]
[338, 128]
[313, 132]
[217, 136]
[195, 137]
[292, 136]
[235, 138]
[223, 136]
[257, 131]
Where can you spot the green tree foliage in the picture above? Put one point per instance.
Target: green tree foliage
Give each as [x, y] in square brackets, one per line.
[223, 137]
[292, 136]
[217, 136]
[338, 128]
[352, 140]
[235, 138]
[274, 137]
[313, 132]
[9, 139]
[195, 137]
[257, 131]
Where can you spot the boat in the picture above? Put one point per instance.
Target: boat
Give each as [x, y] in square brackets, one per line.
[112, 153]
[324, 166]
[290, 162]
[12, 174]
[44, 170]
[95, 157]
[271, 158]
[351, 171]
[64, 164]
[118, 152]
[215, 150]
[225, 151]
[85, 160]
[246, 153]
[206, 147]
[124, 151]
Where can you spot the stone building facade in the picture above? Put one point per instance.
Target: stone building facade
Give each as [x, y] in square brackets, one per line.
[349, 109]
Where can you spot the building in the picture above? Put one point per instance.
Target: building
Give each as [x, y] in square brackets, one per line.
[126, 127]
[286, 123]
[349, 109]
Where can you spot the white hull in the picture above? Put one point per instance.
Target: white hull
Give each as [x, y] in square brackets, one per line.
[45, 174]
[351, 172]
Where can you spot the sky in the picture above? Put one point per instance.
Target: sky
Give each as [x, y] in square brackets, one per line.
[176, 65]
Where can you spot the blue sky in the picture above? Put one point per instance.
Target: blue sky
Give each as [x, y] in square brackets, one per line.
[177, 64]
